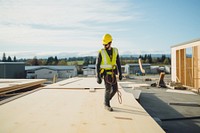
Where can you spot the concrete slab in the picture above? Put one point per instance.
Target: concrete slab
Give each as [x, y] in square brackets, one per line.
[181, 91]
[175, 118]
[74, 111]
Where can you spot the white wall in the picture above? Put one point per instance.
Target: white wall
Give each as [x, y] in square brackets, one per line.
[45, 73]
[173, 64]
[89, 72]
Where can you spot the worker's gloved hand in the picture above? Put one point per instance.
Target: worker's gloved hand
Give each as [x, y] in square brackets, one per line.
[120, 76]
[99, 80]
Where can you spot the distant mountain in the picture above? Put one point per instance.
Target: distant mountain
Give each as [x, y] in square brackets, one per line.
[152, 55]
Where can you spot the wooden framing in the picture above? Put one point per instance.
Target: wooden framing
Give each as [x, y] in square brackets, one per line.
[196, 66]
[186, 69]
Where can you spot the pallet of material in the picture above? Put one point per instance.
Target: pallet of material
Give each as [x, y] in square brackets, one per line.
[9, 85]
[75, 111]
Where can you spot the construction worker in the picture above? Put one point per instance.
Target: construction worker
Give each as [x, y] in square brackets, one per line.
[108, 65]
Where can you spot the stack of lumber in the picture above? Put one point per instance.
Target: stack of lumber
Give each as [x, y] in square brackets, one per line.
[9, 85]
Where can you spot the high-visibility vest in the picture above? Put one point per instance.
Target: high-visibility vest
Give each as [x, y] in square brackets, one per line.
[107, 63]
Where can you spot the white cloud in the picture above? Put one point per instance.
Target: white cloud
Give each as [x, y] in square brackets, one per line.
[62, 12]
[54, 25]
[31, 18]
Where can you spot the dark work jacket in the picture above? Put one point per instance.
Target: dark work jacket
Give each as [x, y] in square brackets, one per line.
[99, 59]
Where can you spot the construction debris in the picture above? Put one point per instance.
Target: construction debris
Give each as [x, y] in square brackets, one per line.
[153, 85]
[161, 82]
[148, 79]
[177, 86]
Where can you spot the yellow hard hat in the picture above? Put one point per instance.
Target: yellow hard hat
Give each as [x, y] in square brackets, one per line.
[106, 39]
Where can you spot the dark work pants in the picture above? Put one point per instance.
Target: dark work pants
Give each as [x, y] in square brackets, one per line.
[111, 88]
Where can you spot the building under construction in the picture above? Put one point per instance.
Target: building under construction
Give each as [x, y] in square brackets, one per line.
[186, 63]
[75, 105]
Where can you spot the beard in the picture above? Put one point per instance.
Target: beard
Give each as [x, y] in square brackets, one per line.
[108, 47]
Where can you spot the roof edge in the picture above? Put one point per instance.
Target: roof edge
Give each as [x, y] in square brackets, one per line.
[183, 43]
[12, 62]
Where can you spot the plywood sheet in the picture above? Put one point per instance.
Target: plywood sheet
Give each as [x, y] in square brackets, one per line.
[74, 111]
[76, 83]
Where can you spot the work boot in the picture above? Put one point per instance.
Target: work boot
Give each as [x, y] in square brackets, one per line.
[108, 108]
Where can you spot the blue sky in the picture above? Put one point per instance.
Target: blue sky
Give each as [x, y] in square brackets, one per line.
[66, 28]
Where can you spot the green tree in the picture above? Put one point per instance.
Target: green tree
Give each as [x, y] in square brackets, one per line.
[163, 58]
[62, 63]
[140, 57]
[55, 60]
[9, 59]
[149, 58]
[42, 62]
[34, 61]
[15, 59]
[86, 62]
[158, 60]
[154, 60]
[50, 61]
[167, 61]
[145, 57]
[4, 57]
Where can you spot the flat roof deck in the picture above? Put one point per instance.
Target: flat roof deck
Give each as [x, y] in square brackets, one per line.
[75, 111]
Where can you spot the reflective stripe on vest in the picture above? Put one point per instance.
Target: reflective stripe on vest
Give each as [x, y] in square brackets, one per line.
[106, 63]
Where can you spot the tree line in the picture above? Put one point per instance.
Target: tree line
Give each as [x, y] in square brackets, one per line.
[9, 59]
[147, 58]
[156, 60]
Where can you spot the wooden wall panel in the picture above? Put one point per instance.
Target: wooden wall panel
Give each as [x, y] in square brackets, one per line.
[181, 65]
